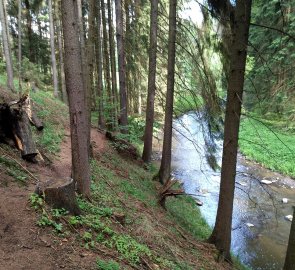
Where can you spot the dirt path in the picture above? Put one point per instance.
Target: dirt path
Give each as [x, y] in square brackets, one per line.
[23, 245]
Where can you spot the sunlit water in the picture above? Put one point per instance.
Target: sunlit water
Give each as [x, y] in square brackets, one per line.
[262, 246]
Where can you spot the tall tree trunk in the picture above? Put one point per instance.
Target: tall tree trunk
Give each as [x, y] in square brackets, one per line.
[85, 72]
[52, 47]
[90, 52]
[29, 31]
[61, 62]
[165, 169]
[122, 67]
[107, 71]
[101, 120]
[77, 97]
[6, 46]
[112, 60]
[19, 27]
[290, 256]
[221, 235]
[149, 122]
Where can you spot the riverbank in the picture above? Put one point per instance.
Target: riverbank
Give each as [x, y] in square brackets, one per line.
[122, 227]
[268, 145]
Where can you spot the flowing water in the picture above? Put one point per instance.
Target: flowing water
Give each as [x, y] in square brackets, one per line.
[260, 230]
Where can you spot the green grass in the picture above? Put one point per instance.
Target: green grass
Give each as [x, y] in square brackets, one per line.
[263, 142]
[54, 115]
[184, 211]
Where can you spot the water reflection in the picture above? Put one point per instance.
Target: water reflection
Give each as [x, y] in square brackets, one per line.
[260, 232]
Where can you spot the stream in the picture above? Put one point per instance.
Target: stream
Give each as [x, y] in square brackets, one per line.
[260, 229]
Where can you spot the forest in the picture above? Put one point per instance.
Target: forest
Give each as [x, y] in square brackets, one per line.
[142, 134]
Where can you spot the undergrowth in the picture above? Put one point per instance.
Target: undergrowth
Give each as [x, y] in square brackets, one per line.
[122, 189]
[54, 115]
[262, 141]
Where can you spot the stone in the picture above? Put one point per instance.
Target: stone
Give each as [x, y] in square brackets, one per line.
[243, 184]
[266, 182]
[249, 225]
[284, 200]
[289, 217]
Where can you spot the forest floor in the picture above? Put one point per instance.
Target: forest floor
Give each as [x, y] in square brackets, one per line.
[122, 227]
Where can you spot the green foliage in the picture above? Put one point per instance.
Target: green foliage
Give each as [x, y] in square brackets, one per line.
[50, 218]
[36, 201]
[128, 247]
[263, 142]
[107, 265]
[53, 132]
[190, 219]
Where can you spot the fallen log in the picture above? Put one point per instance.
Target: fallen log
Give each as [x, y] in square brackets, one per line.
[15, 120]
[60, 194]
[23, 135]
[124, 147]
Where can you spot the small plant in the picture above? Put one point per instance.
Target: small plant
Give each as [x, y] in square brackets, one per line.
[36, 201]
[107, 265]
[128, 247]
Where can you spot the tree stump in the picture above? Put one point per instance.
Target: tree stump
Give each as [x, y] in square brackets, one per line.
[60, 194]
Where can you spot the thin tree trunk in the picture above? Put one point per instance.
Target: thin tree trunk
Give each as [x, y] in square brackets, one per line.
[19, 21]
[165, 169]
[112, 61]
[101, 120]
[90, 52]
[106, 58]
[122, 67]
[290, 256]
[29, 31]
[52, 47]
[6, 46]
[221, 235]
[77, 97]
[61, 62]
[149, 122]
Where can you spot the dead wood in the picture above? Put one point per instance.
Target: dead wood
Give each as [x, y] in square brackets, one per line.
[15, 119]
[123, 147]
[60, 193]
[166, 191]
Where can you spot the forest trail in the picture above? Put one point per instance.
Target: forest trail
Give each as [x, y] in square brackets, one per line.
[24, 245]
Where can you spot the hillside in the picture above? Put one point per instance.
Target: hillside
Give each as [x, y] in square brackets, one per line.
[122, 227]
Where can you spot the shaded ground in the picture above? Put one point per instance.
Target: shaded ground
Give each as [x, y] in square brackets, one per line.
[23, 245]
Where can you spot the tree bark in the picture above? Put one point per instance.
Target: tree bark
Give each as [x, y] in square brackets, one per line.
[122, 67]
[101, 120]
[29, 31]
[60, 193]
[165, 169]
[6, 46]
[112, 61]
[19, 28]
[290, 256]
[90, 53]
[221, 235]
[52, 47]
[77, 98]
[85, 71]
[149, 122]
[106, 58]
[61, 61]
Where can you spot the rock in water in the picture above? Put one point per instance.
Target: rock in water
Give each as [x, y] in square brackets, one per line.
[289, 217]
[284, 200]
[266, 182]
[250, 225]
